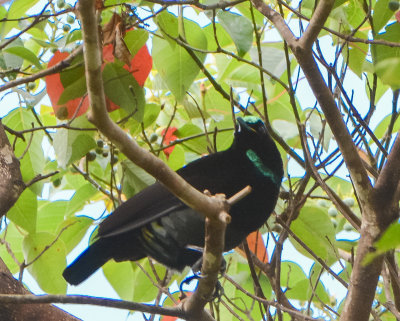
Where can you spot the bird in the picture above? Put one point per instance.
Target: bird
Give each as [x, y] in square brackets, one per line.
[155, 223]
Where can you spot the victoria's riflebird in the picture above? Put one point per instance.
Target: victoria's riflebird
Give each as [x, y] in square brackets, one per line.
[155, 223]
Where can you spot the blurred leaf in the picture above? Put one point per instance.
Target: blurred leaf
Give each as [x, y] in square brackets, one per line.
[173, 63]
[123, 90]
[47, 269]
[239, 28]
[24, 211]
[72, 145]
[198, 145]
[317, 232]
[388, 241]
[151, 112]
[120, 276]
[33, 162]
[273, 59]
[81, 197]
[388, 71]
[135, 39]
[14, 236]
[75, 229]
[74, 90]
[176, 159]
[381, 14]
[50, 215]
[24, 53]
[135, 178]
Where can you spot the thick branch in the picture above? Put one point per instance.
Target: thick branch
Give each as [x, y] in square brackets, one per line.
[11, 183]
[49, 71]
[12, 310]
[386, 186]
[317, 21]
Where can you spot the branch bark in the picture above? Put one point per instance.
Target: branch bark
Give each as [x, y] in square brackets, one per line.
[11, 183]
[379, 204]
[211, 207]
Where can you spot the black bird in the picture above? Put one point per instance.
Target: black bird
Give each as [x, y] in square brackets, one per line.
[157, 224]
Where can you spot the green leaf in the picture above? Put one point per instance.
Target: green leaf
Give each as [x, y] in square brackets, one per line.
[120, 275]
[381, 14]
[16, 10]
[273, 59]
[381, 53]
[47, 269]
[317, 232]
[168, 24]
[73, 90]
[14, 236]
[176, 159]
[24, 211]
[71, 145]
[50, 215]
[388, 71]
[123, 90]
[198, 145]
[175, 66]
[151, 112]
[11, 61]
[73, 230]
[75, 72]
[388, 241]
[24, 53]
[383, 126]
[291, 274]
[136, 39]
[33, 161]
[81, 197]
[239, 28]
[145, 291]
[130, 282]
[135, 178]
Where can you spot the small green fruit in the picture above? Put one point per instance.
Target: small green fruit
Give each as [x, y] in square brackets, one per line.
[31, 85]
[100, 143]
[322, 203]
[99, 151]
[91, 156]
[57, 182]
[347, 227]
[66, 28]
[153, 138]
[60, 3]
[349, 201]
[394, 5]
[333, 211]
[70, 19]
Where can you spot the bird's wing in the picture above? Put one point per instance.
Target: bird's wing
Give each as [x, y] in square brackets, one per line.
[148, 205]
[156, 201]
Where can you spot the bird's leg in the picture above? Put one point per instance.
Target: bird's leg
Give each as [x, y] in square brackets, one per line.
[196, 268]
[189, 279]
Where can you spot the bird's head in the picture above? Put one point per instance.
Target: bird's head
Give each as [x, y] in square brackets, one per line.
[253, 140]
[251, 129]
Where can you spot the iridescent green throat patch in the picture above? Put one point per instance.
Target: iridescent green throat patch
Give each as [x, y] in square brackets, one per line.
[264, 170]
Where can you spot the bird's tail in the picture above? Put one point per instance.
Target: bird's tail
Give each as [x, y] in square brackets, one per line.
[86, 264]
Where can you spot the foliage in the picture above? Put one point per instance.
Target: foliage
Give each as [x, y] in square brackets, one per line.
[183, 111]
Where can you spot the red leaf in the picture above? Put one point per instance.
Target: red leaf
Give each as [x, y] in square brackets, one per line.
[140, 68]
[55, 89]
[256, 245]
[169, 137]
[397, 15]
[168, 318]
